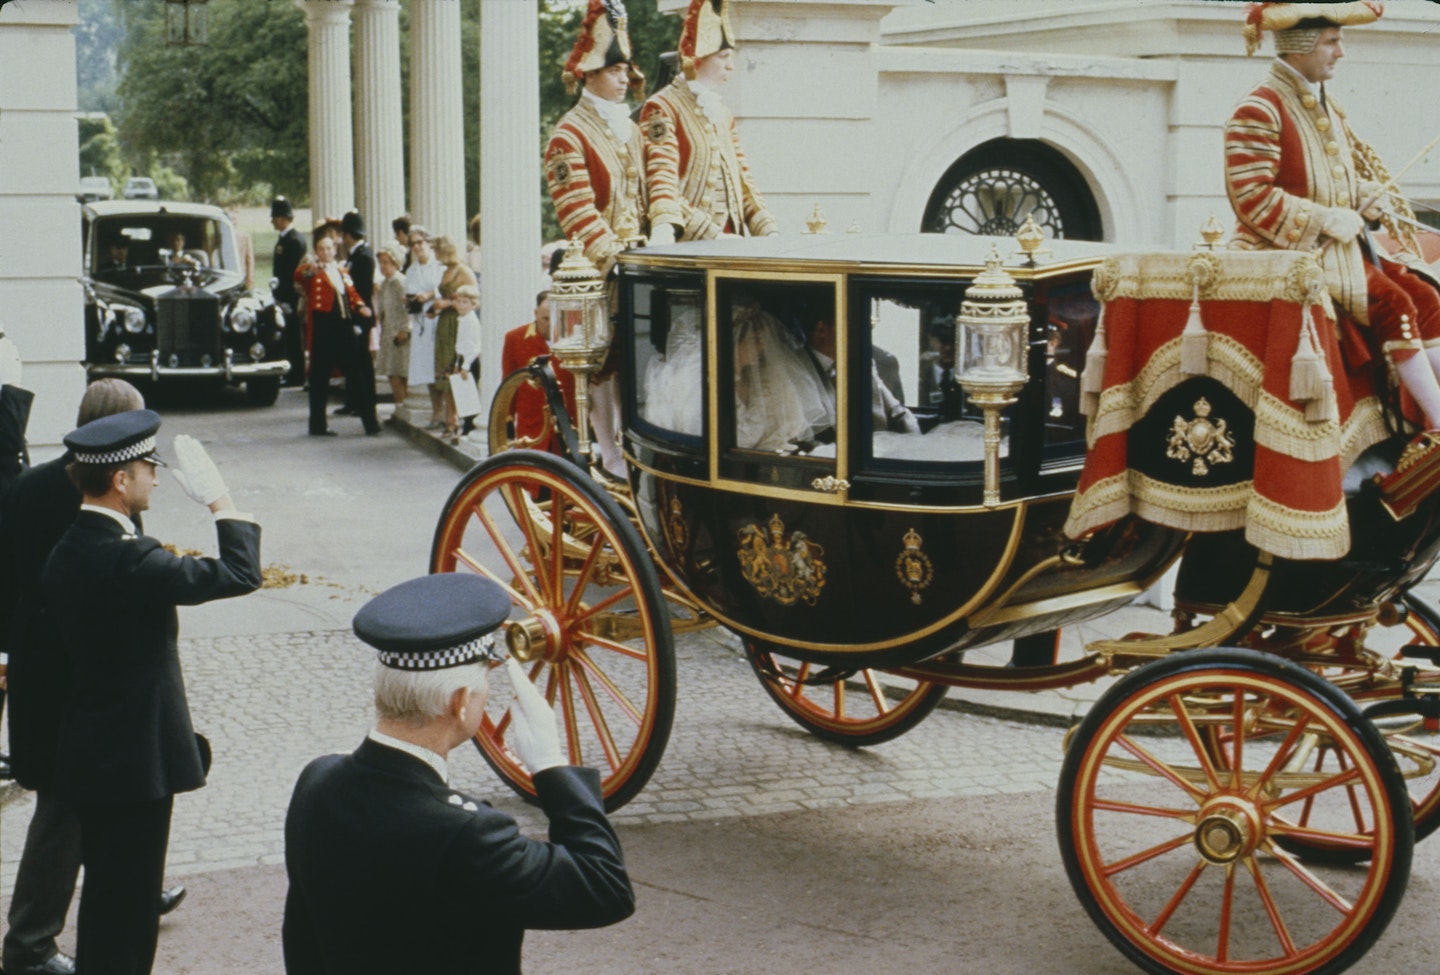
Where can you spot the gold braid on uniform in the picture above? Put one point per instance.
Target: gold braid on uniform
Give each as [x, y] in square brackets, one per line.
[1368, 165]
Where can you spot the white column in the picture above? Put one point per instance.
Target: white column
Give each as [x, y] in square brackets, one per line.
[332, 134]
[509, 175]
[379, 129]
[437, 117]
[41, 305]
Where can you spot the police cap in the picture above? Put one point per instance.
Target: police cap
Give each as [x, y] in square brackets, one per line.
[435, 621]
[281, 207]
[117, 439]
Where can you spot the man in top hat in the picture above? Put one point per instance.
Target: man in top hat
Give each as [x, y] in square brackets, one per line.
[360, 262]
[698, 181]
[289, 252]
[1295, 174]
[594, 165]
[392, 869]
[126, 744]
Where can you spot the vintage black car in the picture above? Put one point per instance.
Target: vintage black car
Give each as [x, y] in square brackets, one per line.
[165, 298]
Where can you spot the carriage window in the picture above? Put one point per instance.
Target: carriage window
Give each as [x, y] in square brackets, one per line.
[782, 359]
[1073, 312]
[917, 410]
[669, 355]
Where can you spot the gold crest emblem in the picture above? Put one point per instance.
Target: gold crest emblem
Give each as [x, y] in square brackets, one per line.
[786, 569]
[1202, 441]
[676, 527]
[560, 172]
[657, 129]
[913, 567]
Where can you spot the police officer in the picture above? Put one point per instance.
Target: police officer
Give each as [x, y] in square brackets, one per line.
[126, 744]
[289, 252]
[393, 870]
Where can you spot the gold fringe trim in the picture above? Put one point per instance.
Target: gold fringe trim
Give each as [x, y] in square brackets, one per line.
[1292, 534]
[1231, 275]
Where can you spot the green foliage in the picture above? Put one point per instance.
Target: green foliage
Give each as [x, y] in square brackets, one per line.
[229, 116]
[100, 151]
[97, 40]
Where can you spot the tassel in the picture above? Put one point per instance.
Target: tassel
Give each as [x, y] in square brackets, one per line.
[1323, 408]
[1310, 379]
[1194, 341]
[1092, 378]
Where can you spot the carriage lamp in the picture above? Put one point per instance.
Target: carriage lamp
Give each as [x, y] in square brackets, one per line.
[186, 22]
[580, 328]
[991, 331]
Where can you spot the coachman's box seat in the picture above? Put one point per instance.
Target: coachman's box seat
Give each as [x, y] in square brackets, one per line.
[1217, 399]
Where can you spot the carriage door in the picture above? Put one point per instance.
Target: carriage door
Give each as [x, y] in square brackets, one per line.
[775, 392]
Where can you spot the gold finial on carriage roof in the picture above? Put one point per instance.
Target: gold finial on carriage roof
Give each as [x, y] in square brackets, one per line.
[1210, 233]
[854, 227]
[1030, 236]
[816, 222]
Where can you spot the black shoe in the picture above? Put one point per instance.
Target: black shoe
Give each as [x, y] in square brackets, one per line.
[322, 433]
[5, 772]
[170, 898]
[59, 964]
[342, 411]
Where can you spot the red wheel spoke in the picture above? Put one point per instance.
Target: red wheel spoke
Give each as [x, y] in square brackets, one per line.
[798, 691]
[1172, 905]
[838, 695]
[1161, 769]
[1282, 755]
[1227, 915]
[604, 604]
[877, 693]
[518, 499]
[1320, 887]
[582, 582]
[1136, 809]
[1356, 841]
[1192, 735]
[1272, 911]
[515, 596]
[1339, 780]
[597, 719]
[572, 724]
[509, 555]
[584, 636]
[1135, 859]
[1237, 756]
[557, 544]
[581, 658]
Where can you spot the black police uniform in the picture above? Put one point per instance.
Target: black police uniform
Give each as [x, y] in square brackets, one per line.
[393, 871]
[358, 365]
[126, 744]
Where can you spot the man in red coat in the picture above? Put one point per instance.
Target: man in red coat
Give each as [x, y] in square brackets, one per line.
[338, 316]
[523, 346]
[1295, 173]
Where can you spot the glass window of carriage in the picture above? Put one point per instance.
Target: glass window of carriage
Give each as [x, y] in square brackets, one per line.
[778, 381]
[912, 410]
[1072, 313]
[668, 357]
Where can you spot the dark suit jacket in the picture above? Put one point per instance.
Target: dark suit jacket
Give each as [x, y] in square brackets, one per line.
[39, 508]
[393, 871]
[14, 418]
[361, 266]
[126, 736]
[289, 252]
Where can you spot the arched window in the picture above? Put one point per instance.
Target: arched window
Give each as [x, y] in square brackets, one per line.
[992, 189]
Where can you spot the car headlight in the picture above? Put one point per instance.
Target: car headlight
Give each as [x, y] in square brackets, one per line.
[242, 317]
[132, 318]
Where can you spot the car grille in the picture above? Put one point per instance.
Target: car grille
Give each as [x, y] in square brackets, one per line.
[188, 328]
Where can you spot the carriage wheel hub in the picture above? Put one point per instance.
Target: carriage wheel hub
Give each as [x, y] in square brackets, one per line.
[535, 636]
[1228, 829]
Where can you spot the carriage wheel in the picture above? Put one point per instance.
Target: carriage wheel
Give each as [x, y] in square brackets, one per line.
[589, 621]
[1177, 854]
[502, 416]
[853, 711]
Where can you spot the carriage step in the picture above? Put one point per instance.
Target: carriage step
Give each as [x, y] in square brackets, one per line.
[1426, 706]
[1418, 651]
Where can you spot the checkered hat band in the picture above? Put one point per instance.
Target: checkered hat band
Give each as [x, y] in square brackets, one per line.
[138, 449]
[482, 648]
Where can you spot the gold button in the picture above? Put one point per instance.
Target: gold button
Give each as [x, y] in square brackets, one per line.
[1331, 149]
[1302, 218]
[631, 172]
[1323, 124]
[1293, 235]
[1307, 100]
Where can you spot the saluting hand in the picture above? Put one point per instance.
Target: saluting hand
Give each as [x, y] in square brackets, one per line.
[537, 739]
[196, 472]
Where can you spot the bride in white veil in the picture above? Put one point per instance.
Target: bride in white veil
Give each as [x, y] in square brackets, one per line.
[781, 400]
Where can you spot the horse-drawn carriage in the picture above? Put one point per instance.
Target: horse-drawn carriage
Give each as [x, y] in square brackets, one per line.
[869, 456]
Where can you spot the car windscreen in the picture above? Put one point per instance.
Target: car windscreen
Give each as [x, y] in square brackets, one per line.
[161, 239]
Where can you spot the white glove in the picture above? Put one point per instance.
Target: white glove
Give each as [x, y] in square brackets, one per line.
[662, 234]
[1373, 197]
[537, 739]
[1341, 223]
[196, 472]
[9, 362]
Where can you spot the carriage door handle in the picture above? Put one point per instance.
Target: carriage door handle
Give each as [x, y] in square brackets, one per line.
[832, 484]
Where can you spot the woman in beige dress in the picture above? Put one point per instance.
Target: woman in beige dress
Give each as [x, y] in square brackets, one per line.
[393, 359]
[457, 275]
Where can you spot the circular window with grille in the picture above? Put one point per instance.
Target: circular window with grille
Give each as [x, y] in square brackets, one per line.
[993, 188]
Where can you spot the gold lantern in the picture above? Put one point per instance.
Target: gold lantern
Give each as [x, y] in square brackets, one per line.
[992, 328]
[580, 328]
[186, 22]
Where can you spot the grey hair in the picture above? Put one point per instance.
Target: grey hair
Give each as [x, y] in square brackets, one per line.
[416, 697]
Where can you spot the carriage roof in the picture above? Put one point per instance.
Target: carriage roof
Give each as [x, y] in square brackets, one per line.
[962, 255]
